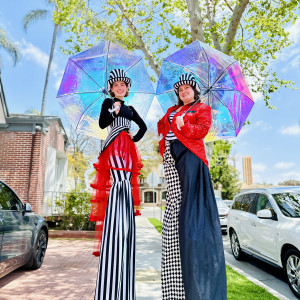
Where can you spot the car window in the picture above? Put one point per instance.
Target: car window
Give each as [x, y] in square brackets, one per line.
[8, 199]
[237, 202]
[288, 203]
[263, 203]
[249, 203]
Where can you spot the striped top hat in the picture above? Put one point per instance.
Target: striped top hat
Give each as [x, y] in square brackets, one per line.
[186, 79]
[117, 75]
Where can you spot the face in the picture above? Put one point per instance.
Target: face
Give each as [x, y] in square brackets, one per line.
[186, 93]
[119, 88]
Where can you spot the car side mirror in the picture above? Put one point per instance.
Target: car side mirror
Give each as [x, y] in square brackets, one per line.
[27, 208]
[264, 214]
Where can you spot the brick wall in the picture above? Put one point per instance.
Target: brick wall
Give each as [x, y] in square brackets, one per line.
[15, 160]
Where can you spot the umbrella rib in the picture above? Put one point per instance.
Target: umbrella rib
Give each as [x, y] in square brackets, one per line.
[79, 93]
[133, 65]
[233, 90]
[228, 111]
[106, 61]
[81, 117]
[85, 72]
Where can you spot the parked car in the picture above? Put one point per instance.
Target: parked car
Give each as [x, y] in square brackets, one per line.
[23, 234]
[222, 210]
[266, 223]
[228, 202]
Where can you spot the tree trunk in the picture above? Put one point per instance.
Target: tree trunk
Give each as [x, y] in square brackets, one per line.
[48, 68]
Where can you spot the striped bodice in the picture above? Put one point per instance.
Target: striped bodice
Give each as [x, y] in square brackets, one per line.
[117, 126]
[170, 135]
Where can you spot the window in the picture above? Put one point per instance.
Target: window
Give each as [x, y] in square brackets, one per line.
[164, 195]
[237, 202]
[8, 199]
[148, 197]
[248, 203]
[264, 203]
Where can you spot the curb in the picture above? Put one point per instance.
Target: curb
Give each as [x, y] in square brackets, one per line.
[75, 234]
[255, 281]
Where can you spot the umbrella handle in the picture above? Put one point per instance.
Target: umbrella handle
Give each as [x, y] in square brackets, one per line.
[114, 109]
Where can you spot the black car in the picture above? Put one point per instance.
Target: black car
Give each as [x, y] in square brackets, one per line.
[23, 234]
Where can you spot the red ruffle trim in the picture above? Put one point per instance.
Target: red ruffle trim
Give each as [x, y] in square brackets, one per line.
[123, 149]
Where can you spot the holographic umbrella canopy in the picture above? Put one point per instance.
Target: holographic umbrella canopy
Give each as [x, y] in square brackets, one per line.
[83, 86]
[223, 86]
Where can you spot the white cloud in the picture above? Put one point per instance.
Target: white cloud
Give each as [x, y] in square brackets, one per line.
[32, 53]
[291, 130]
[284, 165]
[262, 125]
[258, 167]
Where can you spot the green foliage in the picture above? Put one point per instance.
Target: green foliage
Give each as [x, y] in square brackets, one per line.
[10, 47]
[290, 182]
[75, 207]
[148, 148]
[156, 223]
[77, 166]
[239, 287]
[154, 27]
[223, 173]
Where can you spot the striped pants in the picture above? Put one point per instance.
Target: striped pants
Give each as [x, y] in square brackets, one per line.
[116, 272]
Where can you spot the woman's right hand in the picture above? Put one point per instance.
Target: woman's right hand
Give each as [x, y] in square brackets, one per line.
[117, 104]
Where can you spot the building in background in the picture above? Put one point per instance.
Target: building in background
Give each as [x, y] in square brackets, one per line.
[247, 170]
[33, 157]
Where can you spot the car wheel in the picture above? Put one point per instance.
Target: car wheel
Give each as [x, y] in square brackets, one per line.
[235, 246]
[291, 265]
[39, 251]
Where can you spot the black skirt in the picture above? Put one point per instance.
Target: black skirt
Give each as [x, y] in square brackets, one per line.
[200, 234]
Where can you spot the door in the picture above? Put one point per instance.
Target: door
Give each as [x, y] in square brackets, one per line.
[265, 231]
[17, 230]
[246, 219]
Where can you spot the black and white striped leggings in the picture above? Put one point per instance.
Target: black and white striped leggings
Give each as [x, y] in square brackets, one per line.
[116, 272]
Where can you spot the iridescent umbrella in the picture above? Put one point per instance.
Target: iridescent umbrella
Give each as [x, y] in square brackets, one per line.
[223, 86]
[83, 86]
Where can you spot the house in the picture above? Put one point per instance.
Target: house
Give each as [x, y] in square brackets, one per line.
[154, 188]
[33, 157]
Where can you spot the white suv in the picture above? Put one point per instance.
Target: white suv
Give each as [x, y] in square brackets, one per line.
[266, 223]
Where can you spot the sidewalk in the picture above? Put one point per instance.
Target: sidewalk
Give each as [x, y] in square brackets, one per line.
[70, 270]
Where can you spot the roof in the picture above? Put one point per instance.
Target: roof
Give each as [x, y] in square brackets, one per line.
[24, 122]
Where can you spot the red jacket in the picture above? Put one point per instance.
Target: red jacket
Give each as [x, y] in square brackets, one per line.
[197, 122]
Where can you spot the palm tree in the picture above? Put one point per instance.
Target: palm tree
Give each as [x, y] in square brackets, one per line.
[42, 14]
[9, 46]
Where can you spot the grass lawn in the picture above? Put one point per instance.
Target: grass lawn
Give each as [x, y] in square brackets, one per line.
[238, 287]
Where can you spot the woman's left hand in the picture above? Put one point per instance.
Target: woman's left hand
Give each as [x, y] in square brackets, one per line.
[179, 121]
[130, 134]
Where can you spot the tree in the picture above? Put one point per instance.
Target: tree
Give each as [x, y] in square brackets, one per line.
[253, 32]
[41, 14]
[9, 46]
[148, 148]
[290, 182]
[82, 151]
[221, 172]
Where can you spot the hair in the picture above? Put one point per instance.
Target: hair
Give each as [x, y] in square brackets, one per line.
[196, 96]
[112, 94]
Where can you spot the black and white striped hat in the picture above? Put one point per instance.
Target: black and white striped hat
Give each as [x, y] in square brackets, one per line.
[186, 79]
[117, 75]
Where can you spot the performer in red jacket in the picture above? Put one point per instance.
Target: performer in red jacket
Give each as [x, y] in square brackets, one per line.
[193, 264]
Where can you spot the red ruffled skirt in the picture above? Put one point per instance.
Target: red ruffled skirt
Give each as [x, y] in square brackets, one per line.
[124, 150]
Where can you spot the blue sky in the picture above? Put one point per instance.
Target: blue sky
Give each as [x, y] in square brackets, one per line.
[272, 139]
